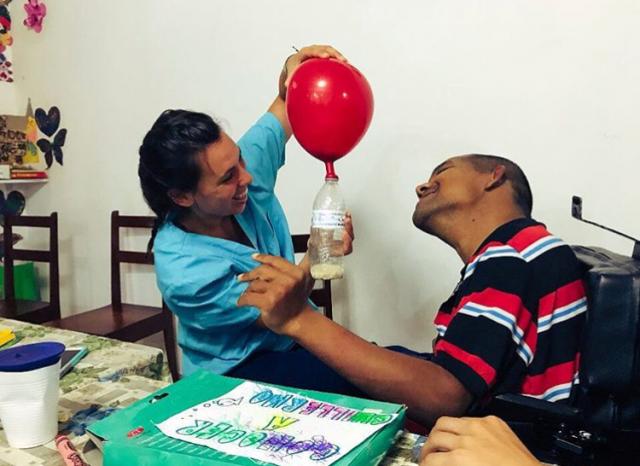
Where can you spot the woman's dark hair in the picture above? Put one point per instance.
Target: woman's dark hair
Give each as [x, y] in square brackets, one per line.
[168, 159]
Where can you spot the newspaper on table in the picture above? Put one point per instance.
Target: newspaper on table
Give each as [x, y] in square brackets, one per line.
[276, 426]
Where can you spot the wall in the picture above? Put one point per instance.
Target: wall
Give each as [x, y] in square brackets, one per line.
[552, 85]
[9, 100]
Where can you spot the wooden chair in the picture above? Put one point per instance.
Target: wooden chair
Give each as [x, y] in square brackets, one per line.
[320, 296]
[123, 321]
[30, 311]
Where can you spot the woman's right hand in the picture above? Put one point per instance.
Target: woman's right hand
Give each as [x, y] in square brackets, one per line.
[348, 236]
[294, 60]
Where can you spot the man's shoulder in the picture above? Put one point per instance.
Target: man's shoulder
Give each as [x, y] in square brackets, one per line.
[521, 255]
[546, 263]
[534, 241]
[525, 239]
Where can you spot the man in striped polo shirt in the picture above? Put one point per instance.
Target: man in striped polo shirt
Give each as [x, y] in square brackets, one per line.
[513, 321]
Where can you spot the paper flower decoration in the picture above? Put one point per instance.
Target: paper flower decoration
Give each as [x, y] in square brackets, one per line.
[5, 26]
[36, 12]
[5, 69]
[5, 19]
[5, 40]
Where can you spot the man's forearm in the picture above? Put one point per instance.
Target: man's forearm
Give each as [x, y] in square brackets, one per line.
[280, 290]
[428, 390]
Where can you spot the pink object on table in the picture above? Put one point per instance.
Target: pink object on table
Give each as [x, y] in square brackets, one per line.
[36, 11]
[68, 452]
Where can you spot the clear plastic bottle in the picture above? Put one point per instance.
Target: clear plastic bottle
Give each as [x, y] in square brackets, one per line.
[327, 227]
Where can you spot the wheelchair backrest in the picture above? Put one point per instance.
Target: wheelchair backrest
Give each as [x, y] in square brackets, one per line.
[609, 388]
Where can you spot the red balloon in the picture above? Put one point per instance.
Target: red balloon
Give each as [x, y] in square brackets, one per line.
[329, 105]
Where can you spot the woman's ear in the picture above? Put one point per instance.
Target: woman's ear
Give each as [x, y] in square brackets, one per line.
[180, 198]
[498, 177]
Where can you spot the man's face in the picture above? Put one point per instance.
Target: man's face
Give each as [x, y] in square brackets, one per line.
[454, 186]
[223, 186]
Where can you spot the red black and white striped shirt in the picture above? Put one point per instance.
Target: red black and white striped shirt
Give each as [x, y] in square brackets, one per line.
[513, 322]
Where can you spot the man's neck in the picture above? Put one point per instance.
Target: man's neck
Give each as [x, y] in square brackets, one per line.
[471, 231]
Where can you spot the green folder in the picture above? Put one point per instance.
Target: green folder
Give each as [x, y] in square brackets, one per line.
[129, 436]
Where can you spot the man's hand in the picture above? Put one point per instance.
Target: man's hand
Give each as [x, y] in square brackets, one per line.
[279, 289]
[486, 441]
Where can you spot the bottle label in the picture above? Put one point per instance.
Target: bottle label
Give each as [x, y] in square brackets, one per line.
[327, 219]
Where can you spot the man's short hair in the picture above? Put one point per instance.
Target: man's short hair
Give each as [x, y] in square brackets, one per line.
[521, 190]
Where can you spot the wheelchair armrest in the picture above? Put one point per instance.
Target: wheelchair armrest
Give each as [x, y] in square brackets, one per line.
[514, 407]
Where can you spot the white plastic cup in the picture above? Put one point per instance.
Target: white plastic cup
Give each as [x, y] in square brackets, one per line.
[29, 403]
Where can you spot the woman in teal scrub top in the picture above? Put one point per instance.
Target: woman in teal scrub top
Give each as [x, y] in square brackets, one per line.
[215, 206]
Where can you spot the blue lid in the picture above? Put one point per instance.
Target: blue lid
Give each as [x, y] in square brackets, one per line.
[24, 358]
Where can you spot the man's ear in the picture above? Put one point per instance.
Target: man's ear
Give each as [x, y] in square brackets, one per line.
[498, 177]
[180, 198]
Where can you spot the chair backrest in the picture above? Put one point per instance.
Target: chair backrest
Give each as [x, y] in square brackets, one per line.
[119, 256]
[609, 390]
[49, 256]
[321, 297]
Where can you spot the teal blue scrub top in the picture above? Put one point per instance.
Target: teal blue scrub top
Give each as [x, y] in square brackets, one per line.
[196, 273]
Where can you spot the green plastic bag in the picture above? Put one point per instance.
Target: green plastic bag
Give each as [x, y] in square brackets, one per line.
[25, 284]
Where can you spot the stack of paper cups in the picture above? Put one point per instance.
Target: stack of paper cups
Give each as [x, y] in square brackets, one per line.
[29, 390]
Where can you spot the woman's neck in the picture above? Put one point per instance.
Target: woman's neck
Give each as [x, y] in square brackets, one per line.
[217, 227]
